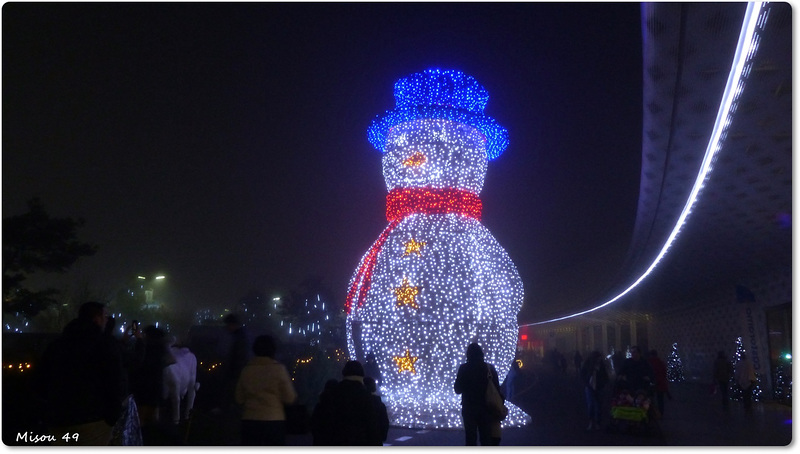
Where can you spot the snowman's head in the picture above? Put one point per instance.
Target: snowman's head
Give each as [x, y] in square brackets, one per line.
[435, 153]
[437, 135]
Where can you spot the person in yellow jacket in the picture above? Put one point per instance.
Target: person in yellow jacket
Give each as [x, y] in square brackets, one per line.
[264, 387]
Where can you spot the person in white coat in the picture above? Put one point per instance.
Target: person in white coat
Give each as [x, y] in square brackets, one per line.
[264, 387]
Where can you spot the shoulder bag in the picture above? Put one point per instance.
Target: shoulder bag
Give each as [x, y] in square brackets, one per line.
[494, 401]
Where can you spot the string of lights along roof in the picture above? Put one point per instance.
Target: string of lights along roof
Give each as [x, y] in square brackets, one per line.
[436, 279]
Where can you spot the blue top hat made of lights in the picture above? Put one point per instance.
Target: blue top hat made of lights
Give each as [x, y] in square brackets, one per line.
[440, 94]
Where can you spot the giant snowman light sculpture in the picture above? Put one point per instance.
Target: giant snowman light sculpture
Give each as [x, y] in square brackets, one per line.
[436, 279]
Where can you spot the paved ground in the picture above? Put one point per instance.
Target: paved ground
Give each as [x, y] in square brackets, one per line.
[554, 400]
[693, 417]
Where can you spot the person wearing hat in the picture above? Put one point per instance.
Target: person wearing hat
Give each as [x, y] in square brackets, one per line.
[346, 416]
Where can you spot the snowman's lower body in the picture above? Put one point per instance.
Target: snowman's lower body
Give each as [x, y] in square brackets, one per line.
[420, 310]
[440, 413]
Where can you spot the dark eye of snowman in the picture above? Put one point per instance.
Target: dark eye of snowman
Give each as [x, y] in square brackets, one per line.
[415, 160]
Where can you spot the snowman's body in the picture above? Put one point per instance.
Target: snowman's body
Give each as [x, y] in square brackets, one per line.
[436, 279]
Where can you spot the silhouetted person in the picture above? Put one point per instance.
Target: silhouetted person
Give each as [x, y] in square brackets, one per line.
[723, 371]
[111, 323]
[471, 382]
[746, 379]
[132, 347]
[380, 408]
[264, 387]
[329, 385]
[635, 372]
[238, 355]
[577, 359]
[511, 377]
[345, 416]
[240, 346]
[594, 378]
[617, 360]
[319, 432]
[147, 386]
[110, 334]
[371, 368]
[81, 380]
[659, 369]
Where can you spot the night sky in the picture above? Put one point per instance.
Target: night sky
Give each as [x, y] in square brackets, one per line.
[224, 145]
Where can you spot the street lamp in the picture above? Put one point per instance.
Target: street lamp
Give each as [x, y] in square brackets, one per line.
[148, 292]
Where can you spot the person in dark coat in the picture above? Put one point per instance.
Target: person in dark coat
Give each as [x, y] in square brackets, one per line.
[723, 371]
[471, 381]
[346, 416]
[239, 352]
[577, 359]
[320, 415]
[81, 379]
[380, 408]
[147, 386]
[659, 369]
[635, 374]
[594, 378]
[238, 355]
[371, 369]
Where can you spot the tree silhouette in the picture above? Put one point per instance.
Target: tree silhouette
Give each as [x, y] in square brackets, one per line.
[33, 242]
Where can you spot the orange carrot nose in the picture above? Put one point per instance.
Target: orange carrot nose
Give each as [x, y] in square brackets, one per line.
[415, 160]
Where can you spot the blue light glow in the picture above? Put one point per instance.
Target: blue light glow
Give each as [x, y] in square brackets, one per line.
[440, 94]
[754, 21]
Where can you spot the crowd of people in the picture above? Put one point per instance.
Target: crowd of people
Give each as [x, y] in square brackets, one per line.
[87, 375]
[646, 376]
[89, 380]
[110, 390]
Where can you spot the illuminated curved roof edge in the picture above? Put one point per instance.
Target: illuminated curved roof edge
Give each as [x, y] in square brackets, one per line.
[746, 49]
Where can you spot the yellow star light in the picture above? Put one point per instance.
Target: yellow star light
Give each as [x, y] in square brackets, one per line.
[406, 362]
[413, 246]
[406, 295]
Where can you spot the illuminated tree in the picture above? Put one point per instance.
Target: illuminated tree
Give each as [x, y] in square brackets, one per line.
[736, 390]
[436, 279]
[674, 365]
[783, 386]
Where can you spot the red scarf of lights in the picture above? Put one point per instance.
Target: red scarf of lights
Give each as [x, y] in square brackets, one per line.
[402, 202]
[399, 204]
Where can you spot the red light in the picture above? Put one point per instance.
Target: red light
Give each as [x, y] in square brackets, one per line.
[524, 337]
[401, 202]
[358, 291]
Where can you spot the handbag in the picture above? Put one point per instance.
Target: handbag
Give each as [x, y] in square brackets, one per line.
[126, 431]
[494, 401]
